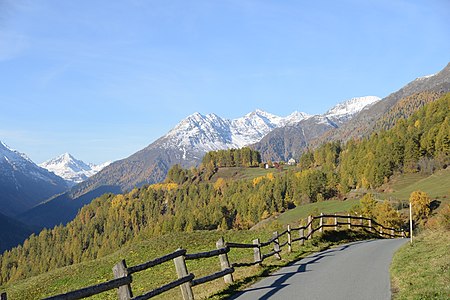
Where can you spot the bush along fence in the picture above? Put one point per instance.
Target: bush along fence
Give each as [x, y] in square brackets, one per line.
[123, 275]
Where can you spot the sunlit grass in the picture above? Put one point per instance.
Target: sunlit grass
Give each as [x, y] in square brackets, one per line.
[422, 270]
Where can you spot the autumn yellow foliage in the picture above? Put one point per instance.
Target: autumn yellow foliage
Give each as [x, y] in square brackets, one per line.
[420, 202]
[164, 186]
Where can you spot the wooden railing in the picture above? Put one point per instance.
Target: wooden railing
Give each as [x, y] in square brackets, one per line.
[123, 274]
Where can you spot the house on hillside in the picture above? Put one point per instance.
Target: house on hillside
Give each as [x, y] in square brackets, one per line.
[292, 162]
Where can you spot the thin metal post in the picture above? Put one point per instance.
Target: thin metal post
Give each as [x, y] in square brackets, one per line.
[410, 223]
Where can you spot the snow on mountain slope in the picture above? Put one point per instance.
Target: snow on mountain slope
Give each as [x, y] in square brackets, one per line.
[12, 157]
[345, 110]
[211, 132]
[23, 183]
[12, 160]
[71, 169]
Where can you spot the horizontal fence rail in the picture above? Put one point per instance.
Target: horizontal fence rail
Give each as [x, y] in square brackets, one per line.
[123, 275]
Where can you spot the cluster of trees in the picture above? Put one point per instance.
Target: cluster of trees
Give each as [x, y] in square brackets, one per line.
[382, 211]
[244, 157]
[420, 143]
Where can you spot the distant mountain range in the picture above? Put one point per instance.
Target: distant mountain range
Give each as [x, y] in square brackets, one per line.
[289, 141]
[185, 144]
[277, 138]
[72, 170]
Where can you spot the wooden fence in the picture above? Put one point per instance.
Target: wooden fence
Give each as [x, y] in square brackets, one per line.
[123, 274]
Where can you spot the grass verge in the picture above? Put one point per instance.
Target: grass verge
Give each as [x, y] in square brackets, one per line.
[422, 270]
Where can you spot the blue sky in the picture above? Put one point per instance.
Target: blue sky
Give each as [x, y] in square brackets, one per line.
[103, 79]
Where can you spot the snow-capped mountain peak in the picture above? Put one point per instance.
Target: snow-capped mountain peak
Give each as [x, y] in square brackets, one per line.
[200, 133]
[348, 108]
[7, 153]
[71, 169]
[23, 183]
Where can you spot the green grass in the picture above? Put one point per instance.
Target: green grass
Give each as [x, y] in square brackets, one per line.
[422, 270]
[100, 270]
[293, 216]
[97, 271]
[437, 185]
[237, 173]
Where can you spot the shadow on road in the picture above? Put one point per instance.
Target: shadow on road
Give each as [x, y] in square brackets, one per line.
[301, 265]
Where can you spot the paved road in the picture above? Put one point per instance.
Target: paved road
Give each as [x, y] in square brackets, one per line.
[358, 270]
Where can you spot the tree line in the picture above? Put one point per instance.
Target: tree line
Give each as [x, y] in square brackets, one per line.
[244, 157]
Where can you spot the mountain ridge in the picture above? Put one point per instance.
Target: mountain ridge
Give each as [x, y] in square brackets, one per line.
[72, 170]
[23, 183]
[185, 145]
[364, 123]
[287, 142]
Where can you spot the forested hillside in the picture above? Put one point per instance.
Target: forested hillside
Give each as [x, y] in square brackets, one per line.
[188, 201]
[420, 143]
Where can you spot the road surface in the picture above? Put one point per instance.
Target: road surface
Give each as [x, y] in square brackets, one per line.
[358, 270]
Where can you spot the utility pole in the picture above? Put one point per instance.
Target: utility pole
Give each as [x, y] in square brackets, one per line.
[410, 222]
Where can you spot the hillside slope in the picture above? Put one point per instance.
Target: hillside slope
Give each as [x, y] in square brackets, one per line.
[400, 104]
[290, 142]
[23, 184]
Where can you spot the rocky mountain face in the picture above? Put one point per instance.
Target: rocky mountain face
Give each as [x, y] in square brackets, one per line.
[23, 184]
[289, 141]
[72, 170]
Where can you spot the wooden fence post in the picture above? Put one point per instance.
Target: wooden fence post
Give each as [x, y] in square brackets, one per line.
[302, 236]
[3, 296]
[289, 238]
[276, 244]
[186, 288]
[335, 223]
[349, 221]
[370, 225]
[120, 270]
[257, 252]
[224, 262]
[310, 227]
[321, 223]
[361, 221]
[392, 234]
